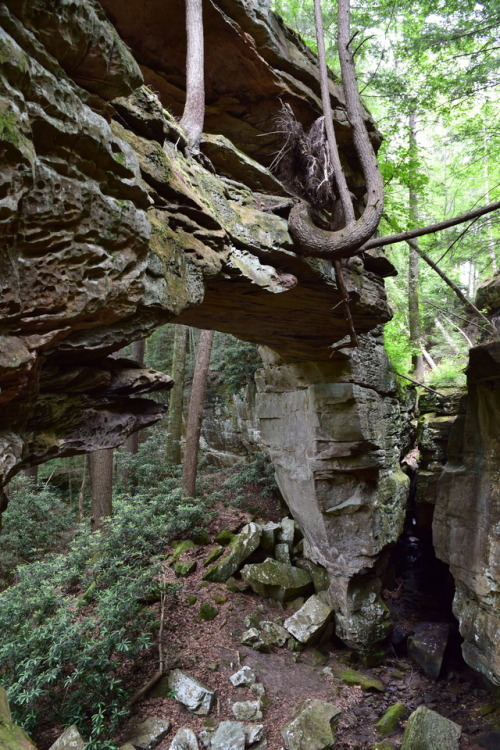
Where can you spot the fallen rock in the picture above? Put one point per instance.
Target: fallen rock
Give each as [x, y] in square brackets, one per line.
[230, 735]
[192, 694]
[185, 568]
[71, 739]
[13, 737]
[307, 624]
[286, 534]
[181, 547]
[269, 535]
[240, 547]
[243, 677]
[282, 553]
[427, 729]
[247, 710]
[185, 739]
[213, 555]
[312, 728]
[390, 720]
[427, 646]
[208, 611]
[255, 639]
[277, 580]
[364, 681]
[274, 633]
[149, 733]
[254, 733]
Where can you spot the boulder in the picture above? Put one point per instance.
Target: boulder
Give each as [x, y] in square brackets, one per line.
[308, 623]
[282, 553]
[364, 681]
[428, 645]
[312, 728]
[286, 534]
[230, 735]
[427, 729]
[185, 568]
[256, 640]
[149, 733]
[13, 737]
[277, 580]
[387, 724]
[273, 633]
[240, 547]
[254, 733]
[71, 739]
[318, 574]
[185, 739]
[244, 677]
[269, 535]
[192, 694]
[247, 710]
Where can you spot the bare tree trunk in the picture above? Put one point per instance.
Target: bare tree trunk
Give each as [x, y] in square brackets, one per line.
[345, 242]
[101, 486]
[194, 108]
[195, 413]
[81, 494]
[413, 281]
[32, 473]
[138, 349]
[174, 437]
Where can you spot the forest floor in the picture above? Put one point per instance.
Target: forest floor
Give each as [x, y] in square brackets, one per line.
[211, 651]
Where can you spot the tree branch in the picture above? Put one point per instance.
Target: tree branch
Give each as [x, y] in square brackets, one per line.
[391, 239]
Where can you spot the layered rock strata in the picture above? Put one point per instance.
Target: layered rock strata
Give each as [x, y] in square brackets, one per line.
[467, 516]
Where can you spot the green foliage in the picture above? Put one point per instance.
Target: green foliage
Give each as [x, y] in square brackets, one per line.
[397, 346]
[259, 471]
[236, 360]
[449, 372]
[72, 620]
[35, 522]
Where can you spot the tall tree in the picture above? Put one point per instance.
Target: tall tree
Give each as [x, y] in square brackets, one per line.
[101, 486]
[195, 413]
[175, 411]
[194, 109]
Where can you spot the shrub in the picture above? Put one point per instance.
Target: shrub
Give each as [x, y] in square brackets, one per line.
[36, 522]
[72, 620]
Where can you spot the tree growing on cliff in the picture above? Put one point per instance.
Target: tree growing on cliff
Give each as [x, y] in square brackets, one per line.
[194, 109]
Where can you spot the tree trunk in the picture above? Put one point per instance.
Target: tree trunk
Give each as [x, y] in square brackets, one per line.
[32, 473]
[345, 242]
[174, 437]
[101, 486]
[194, 108]
[138, 349]
[413, 282]
[195, 413]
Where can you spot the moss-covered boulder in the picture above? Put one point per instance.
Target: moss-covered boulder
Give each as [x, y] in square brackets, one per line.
[364, 681]
[213, 555]
[241, 547]
[13, 737]
[388, 723]
[208, 611]
[427, 729]
[185, 568]
[312, 728]
[277, 580]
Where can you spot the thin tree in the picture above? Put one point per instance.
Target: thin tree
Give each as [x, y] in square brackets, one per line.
[138, 350]
[175, 409]
[413, 258]
[195, 413]
[194, 109]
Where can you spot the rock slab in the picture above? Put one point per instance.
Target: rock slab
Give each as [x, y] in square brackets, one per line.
[312, 728]
[427, 729]
[192, 694]
[71, 739]
[307, 624]
[230, 735]
[185, 739]
[277, 580]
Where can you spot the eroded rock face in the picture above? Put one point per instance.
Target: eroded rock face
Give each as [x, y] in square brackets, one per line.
[467, 515]
[332, 431]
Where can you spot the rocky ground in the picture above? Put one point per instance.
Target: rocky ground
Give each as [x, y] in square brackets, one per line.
[211, 651]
